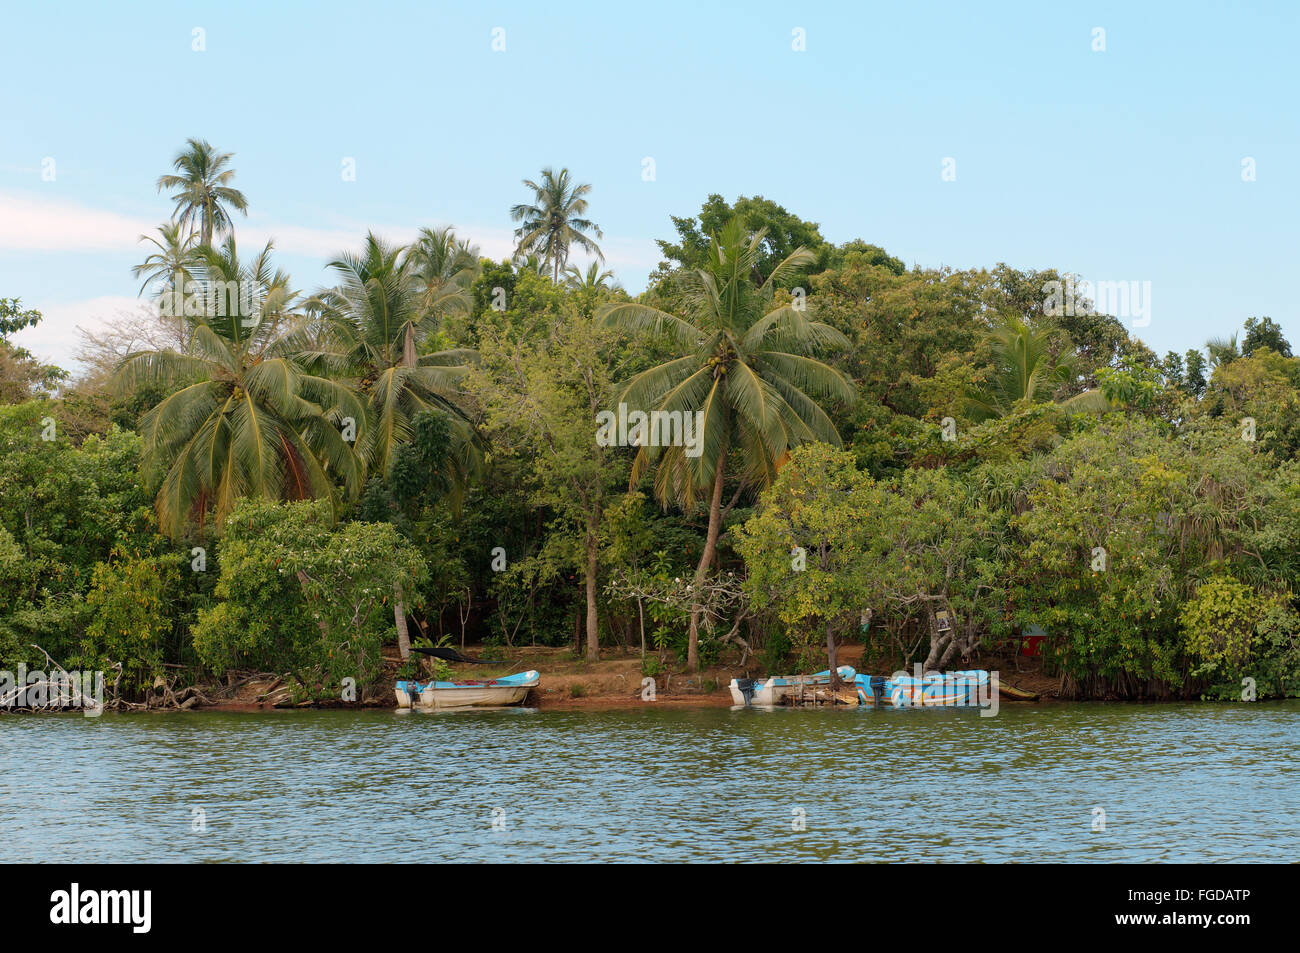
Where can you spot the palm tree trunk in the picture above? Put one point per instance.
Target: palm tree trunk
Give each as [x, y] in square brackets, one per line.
[399, 617]
[593, 627]
[408, 347]
[178, 295]
[706, 559]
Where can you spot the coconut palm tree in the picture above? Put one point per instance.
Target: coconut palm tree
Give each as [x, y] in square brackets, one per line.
[1222, 350]
[554, 222]
[1024, 374]
[443, 268]
[255, 291]
[169, 266]
[168, 269]
[375, 318]
[245, 419]
[592, 280]
[746, 366]
[203, 190]
[532, 262]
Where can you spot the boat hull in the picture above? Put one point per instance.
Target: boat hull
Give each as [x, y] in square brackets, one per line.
[968, 689]
[492, 693]
[471, 697]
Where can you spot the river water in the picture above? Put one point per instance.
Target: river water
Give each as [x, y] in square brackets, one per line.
[1181, 782]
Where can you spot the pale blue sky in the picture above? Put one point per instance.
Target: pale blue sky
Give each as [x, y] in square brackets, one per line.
[1118, 165]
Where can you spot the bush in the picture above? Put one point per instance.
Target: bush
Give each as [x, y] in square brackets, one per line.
[131, 597]
[1240, 634]
[1219, 623]
[63, 510]
[304, 596]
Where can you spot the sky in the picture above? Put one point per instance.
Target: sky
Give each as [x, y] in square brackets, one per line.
[953, 134]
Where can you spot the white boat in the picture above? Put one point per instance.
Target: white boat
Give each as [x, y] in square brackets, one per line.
[765, 692]
[492, 692]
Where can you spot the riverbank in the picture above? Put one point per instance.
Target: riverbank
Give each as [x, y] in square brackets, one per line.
[572, 683]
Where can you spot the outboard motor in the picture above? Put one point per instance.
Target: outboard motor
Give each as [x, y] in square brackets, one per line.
[878, 690]
[746, 686]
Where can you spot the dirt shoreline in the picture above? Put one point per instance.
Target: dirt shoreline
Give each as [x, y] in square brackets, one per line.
[613, 683]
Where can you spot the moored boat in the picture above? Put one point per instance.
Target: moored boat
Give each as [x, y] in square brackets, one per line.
[765, 692]
[485, 693]
[1018, 694]
[933, 690]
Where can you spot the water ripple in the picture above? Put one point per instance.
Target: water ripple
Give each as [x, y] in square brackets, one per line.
[1175, 782]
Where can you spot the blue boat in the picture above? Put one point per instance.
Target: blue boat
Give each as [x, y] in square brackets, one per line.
[933, 690]
[486, 693]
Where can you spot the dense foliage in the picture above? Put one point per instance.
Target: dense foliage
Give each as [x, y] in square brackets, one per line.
[930, 461]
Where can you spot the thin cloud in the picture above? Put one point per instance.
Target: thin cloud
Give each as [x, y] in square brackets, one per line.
[30, 224]
[44, 224]
[56, 339]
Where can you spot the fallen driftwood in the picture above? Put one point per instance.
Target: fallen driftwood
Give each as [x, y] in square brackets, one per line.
[275, 694]
[57, 693]
[64, 692]
[232, 687]
[266, 692]
[168, 697]
[191, 696]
